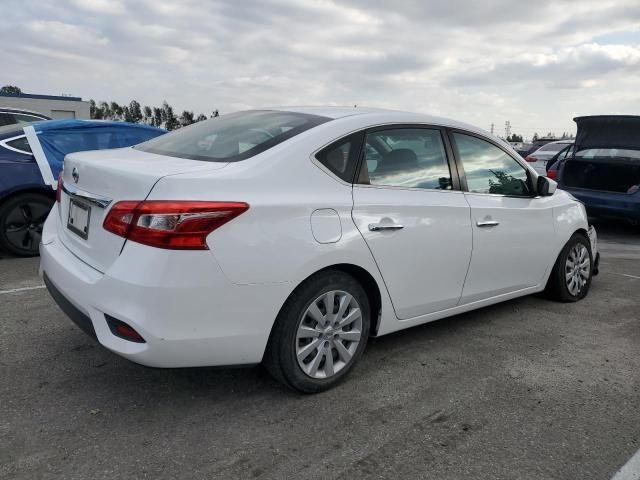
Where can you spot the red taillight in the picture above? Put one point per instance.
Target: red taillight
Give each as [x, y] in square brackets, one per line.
[552, 174]
[59, 188]
[176, 225]
[531, 159]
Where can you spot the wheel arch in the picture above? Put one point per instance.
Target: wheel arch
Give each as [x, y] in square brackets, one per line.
[368, 282]
[581, 231]
[47, 192]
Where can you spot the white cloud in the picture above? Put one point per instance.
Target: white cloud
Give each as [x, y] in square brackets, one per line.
[535, 63]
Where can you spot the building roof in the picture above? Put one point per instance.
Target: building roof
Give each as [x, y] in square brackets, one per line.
[41, 97]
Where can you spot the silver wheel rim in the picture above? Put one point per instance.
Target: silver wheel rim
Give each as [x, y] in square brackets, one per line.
[577, 269]
[328, 334]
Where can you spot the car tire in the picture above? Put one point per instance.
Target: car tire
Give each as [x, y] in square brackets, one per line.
[571, 276]
[312, 347]
[21, 220]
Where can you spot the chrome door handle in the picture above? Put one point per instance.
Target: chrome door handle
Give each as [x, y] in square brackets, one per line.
[375, 227]
[488, 223]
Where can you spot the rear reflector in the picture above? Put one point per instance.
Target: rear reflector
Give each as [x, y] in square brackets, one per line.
[122, 330]
[552, 174]
[531, 159]
[176, 225]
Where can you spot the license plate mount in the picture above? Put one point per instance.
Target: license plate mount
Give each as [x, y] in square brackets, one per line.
[79, 218]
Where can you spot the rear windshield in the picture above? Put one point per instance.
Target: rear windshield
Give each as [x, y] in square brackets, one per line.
[232, 137]
[552, 147]
[608, 153]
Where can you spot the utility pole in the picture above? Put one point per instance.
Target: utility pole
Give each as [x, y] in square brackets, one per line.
[507, 129]
[492, 128]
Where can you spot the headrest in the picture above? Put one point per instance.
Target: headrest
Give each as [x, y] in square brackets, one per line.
[336, 158]
[401, 159]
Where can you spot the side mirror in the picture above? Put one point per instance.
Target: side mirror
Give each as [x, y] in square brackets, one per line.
[546, 187]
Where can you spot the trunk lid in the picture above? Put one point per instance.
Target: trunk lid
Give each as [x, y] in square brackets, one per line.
[93, 179]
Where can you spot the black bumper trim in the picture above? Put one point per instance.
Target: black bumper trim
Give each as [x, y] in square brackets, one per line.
[76, 316]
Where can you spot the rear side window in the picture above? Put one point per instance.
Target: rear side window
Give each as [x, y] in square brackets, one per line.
[410, 158]
[341, 157]
[20, 143]
[232, 137]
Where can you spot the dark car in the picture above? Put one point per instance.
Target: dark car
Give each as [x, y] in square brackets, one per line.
[14, 116]
[603, 168]
[28, 180]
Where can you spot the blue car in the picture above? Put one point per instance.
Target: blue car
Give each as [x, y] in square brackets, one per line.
[31, 157]
[603, 168]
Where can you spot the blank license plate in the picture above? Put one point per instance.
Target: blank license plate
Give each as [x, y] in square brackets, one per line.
[78, 221]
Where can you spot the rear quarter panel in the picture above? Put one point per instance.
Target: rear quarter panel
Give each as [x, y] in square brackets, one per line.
[17, 176]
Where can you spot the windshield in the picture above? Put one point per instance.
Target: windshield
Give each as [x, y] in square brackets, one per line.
[232, 137]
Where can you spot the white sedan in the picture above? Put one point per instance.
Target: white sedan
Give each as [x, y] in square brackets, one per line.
[290, 236]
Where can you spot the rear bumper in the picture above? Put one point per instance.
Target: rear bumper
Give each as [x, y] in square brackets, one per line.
[76, 316]
[180, 302]
[618, 205]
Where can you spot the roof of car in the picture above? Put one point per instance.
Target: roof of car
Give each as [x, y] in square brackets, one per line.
[21, 110]
[382, 115]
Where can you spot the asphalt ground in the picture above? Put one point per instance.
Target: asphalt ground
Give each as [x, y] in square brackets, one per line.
[527, 389]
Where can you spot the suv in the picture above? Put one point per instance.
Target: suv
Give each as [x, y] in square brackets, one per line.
[13, 116]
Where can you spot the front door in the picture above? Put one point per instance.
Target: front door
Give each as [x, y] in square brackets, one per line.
[511, 226]
[416, 226]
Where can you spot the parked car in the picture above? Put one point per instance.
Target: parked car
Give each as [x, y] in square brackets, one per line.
[603, 170]
[31, 157]
[14, 116]
[554, 163]
[290, 236]
[523, 148]
[536, 144]
[539, 158]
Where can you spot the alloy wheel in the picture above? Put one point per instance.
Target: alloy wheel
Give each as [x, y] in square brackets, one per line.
[577, 269]
[328, 334]
[23, 225]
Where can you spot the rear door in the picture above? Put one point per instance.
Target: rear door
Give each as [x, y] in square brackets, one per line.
[511, 226]
[413, 218]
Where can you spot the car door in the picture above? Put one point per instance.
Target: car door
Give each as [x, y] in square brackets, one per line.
[511, 225]
[413, 218]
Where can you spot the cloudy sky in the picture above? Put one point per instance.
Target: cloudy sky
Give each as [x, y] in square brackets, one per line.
[535, 63]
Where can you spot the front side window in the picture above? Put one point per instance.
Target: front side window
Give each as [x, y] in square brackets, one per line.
[488, 169]
[232, 137]
[26, 119]
[410, 158]
[6, 119]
